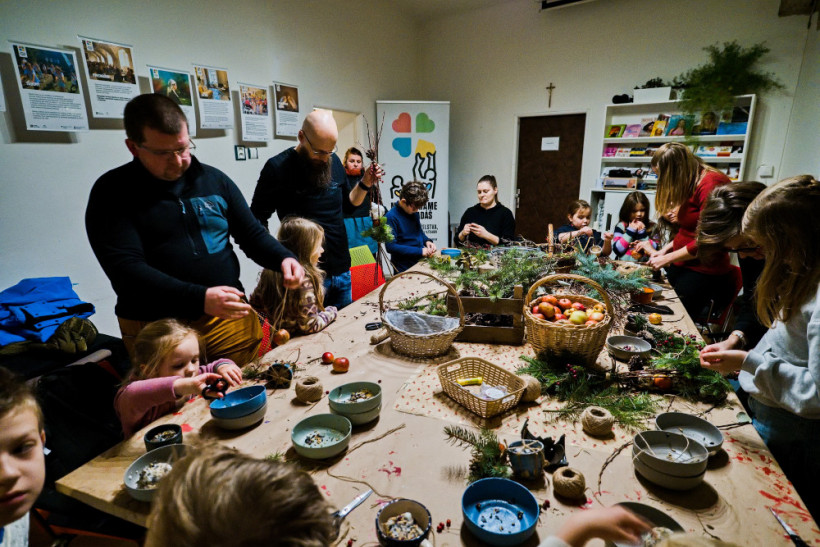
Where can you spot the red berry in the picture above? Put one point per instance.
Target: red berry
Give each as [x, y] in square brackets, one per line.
[448, 523]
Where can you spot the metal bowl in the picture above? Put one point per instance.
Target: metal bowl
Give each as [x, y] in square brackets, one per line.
[240, 402]
[421, 516]
[617, 346]
[670, 453]
[328, 424]
[167, 454]
[693, 427]
[339, 398]
[499, 511]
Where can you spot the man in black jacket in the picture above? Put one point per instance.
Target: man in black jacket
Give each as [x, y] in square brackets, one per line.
[160, 227]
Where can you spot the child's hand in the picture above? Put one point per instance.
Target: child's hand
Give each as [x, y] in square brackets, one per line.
[425, 252]
[585, 231]
[608, 236]
[722, 361]
[637, 225]
[231, 372]
[608, 523]
[431, 246]
[195, 384]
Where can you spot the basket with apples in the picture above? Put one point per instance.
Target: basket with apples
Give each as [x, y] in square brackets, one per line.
[568, 324]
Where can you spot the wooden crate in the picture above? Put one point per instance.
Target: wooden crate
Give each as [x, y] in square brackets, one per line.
[492, 335]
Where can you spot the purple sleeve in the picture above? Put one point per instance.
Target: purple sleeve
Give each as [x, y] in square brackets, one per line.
[143, 401]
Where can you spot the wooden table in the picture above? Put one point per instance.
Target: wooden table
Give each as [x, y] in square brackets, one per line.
[416, 462]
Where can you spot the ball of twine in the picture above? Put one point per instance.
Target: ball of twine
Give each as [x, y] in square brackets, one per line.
[309, 389]
[532, 390]
[569, 483]
[597, 421]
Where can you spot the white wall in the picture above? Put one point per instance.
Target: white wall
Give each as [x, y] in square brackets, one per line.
[494, 64]
[46, 177]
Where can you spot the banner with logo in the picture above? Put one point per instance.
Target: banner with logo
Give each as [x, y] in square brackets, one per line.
[415, 145]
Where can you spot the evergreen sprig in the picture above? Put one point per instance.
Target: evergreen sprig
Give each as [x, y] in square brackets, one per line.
[489, 457]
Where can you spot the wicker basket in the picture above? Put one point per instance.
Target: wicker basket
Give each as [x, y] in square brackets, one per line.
[581, 341]
[470, 367]
[421, 345]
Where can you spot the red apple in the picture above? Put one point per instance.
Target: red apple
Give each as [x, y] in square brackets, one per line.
[578, 306]
[341, 364]
[281, 337]
[565, 303]
[327, 358]
[535, 309]
[590, 323]
[549, 299]
[547, 310]
[539, 316]
[559, 316]
[596, 316]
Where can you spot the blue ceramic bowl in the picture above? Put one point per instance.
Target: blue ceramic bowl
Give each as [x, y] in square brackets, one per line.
[240, 402]
[499, 511]
[452, 253]
[339, 398]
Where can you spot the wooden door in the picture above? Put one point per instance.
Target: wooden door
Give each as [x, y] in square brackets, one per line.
[547, 180]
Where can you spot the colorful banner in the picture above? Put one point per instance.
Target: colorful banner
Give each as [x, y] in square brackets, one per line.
[109, 69]
[415, 145]
[214, 93]
[176, 85]
[49, 88]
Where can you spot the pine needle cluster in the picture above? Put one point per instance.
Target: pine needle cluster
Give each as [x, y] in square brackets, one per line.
[381, 232]
[489, 456]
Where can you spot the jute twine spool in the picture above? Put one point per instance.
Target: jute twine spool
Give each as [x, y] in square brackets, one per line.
[309, 389]
[569, 483]
[597, 421]
[532, 390]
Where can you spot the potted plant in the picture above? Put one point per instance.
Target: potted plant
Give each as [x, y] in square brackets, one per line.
[712, 87]
[653, 91]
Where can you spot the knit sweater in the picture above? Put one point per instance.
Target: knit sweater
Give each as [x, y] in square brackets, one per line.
[497, 220]
[624, 237]
[783, 370]
[409, 240]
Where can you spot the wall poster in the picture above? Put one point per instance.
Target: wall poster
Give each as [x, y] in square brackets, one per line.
[49, 88]
[109, 69]
[256, 126]
[287, 110]
[415, 145]
[176, 85]
[214, 94]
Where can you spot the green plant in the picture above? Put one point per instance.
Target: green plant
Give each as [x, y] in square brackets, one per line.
[489, 457]
[653, 83]
[729, 72]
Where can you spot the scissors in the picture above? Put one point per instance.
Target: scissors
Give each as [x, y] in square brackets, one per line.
[797, 540]
[373, 326]
[212, 390]
[339, 515]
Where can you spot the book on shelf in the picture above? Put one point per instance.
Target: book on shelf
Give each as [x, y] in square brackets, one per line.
[622, 152]
[732, 128]
[707, 123]
[637, 151]
[609, 151]
[714, 151]
[659, 127]
[679, 126]
[633, 130]
[646, 126]
[737, 151]
[733, 172]
[614, 131]
[615, 183]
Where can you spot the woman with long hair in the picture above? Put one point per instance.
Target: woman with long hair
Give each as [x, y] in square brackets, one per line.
[488, 222]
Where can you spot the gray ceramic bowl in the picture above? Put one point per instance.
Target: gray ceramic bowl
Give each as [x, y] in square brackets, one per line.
[339, 398]
[360, 417]
[670, 453]
[626, 347]
[338, 427]
[693, 427]
[168, 453]
[243, 421]
[667, 481]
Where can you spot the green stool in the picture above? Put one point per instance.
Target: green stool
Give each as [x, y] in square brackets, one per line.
[361, 255]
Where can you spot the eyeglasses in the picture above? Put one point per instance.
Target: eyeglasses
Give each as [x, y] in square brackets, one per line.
[318, 152]
[183, 152]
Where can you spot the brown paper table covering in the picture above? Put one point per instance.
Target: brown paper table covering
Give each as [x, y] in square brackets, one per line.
[415, 461]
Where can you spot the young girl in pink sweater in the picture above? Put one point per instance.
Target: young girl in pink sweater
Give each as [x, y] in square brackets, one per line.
[166, 374]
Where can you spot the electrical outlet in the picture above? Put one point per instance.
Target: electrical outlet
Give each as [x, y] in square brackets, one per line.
[239, 152]
[253, 153]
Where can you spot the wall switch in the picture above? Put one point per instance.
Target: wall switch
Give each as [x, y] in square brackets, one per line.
[253, 153]
[239, 152]
[765, 171]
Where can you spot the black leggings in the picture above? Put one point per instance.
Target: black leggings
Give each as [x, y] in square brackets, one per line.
[697, 289]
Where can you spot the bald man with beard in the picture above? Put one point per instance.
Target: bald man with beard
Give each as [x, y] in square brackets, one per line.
[309, 181]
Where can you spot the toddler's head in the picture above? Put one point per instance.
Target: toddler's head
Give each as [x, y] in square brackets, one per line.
[22, 462]
[166, 348]
[218, 496]
[413, 196]
[635, 207]
[303, 237]
[578, 213]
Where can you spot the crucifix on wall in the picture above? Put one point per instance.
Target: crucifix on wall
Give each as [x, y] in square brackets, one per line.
[549, 90]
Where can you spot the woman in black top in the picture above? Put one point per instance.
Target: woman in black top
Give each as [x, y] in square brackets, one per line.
[488, 222]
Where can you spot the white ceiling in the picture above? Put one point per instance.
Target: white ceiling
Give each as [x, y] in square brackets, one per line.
[433, 9]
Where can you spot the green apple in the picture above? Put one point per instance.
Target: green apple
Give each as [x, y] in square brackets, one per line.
[578, 317]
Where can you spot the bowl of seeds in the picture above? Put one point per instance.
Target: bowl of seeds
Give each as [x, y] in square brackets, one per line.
[355, 398]
[321, 436]
[403, 523]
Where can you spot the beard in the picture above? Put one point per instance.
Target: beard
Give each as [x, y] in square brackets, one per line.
[316, 173]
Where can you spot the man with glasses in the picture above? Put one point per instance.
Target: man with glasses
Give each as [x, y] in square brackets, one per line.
[160, 227]
[309, 180]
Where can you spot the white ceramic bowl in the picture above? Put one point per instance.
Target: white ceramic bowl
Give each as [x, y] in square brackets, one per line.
[693, 427]
[243, 421]
[667, 481]
[617, 346]
[166, 454]
[670, 453]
